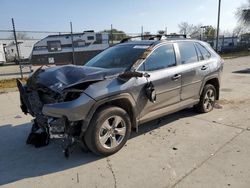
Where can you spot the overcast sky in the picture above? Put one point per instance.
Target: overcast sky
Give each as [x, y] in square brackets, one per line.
[126, 15]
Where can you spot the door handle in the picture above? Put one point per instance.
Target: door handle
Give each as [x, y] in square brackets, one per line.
[204, 67]
[176, 77]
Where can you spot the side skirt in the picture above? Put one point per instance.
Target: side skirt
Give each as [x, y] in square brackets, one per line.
[168, 110]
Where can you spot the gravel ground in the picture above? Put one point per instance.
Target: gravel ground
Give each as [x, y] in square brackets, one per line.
[184, 149]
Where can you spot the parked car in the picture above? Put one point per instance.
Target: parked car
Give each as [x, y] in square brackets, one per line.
[133, 82]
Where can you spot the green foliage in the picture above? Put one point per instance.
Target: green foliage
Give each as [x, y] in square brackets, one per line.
[115, 35]
[161, 32]
[210, 32]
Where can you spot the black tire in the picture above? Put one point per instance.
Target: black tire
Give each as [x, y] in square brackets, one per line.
[201, 106]
[92, 135]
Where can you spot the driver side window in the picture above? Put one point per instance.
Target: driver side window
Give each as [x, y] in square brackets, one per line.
[161, 58]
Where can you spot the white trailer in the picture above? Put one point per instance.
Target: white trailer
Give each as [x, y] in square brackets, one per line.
[25, 48]
[59, 49]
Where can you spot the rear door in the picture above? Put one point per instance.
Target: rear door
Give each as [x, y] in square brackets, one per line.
[192, 70]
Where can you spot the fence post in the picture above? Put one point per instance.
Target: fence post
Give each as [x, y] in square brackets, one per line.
[72, 41]
[17, 50]
[141, 32]
[111, 34]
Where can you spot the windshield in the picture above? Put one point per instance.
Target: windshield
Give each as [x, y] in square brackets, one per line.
[122, 56]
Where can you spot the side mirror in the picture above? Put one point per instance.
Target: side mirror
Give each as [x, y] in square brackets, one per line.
[146, 75]
[130, 74]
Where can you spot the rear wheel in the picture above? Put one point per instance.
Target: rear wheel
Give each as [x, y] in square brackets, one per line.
[108, 130]
[207, 99]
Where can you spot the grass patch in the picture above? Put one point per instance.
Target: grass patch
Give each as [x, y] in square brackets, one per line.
[10, 83]
[235, 54]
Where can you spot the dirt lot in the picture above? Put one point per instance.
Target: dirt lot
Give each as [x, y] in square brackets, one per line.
[181, 150]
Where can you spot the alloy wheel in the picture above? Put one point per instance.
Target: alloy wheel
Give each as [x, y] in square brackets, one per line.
[209, 100]
[112, 132]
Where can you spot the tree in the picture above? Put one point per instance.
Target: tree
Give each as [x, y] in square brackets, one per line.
[161, 32]
[173, 33]
[184, 28]
[238, 30]
[147, 33]
[20, 36]
[189, 29]
[243, 14]
[115, 34]
[210, 32]
[195, 31]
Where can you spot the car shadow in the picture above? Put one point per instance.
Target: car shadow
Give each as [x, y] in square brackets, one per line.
[19, 161]
[243, 71]
[163, 121]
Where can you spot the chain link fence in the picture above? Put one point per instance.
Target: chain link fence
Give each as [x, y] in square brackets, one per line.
[15, 59]
[12, 54]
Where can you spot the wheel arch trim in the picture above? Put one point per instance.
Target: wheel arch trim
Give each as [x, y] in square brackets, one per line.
[112, 100]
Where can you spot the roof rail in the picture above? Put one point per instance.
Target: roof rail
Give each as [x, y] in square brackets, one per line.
[183, 36]
[152, 37]
[89, 31]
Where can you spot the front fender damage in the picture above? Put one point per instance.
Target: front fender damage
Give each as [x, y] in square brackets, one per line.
[56, 114]
[75, 110]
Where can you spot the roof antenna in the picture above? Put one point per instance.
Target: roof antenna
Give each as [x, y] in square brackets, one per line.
[72, 41]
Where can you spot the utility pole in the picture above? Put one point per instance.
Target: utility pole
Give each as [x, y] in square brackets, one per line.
[72, 41]
[218, 27]
[17, 49]
[166, 30]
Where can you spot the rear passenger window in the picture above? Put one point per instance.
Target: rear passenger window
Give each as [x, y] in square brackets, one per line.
[160, 58]
[205, 53]
[187, 52]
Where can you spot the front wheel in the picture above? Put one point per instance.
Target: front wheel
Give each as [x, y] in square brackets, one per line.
[207, 99]
[108, 130]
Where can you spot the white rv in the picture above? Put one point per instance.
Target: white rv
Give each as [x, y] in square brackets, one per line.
[2, 54]
[25, 48]
[58, 49]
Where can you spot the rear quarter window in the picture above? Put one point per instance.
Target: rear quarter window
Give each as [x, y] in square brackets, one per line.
[204, 52]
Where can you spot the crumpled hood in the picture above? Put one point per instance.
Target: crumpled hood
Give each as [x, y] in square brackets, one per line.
[61, 77]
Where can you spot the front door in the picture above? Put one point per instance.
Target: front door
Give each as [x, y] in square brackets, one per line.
[165, 77]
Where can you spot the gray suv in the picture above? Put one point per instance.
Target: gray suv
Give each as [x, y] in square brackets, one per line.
[98, 104]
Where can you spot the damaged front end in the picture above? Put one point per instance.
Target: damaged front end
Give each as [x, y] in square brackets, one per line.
[59, 107]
